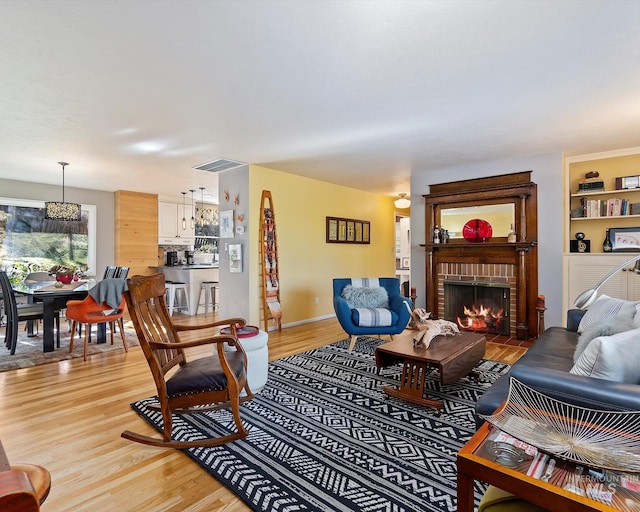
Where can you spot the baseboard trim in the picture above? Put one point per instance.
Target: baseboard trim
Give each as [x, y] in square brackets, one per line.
[302, 322]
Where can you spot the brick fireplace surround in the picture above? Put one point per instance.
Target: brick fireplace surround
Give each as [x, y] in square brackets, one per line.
[490, 273]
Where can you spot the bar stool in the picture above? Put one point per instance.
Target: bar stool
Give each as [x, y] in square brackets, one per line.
[172, 289]
[209, 288]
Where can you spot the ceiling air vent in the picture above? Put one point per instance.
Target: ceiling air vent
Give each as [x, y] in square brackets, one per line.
[221, 164]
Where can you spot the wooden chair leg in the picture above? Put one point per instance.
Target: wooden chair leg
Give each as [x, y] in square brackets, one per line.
[86, 340]
[111, 327]
[124, 341]
[73, 333]
[354, 338]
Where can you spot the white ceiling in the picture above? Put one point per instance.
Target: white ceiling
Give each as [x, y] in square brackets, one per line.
[360, 93]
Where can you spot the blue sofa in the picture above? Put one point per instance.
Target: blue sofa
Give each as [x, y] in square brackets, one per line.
[545, 367]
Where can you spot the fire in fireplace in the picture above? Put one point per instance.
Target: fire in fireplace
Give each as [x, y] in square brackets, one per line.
[477, 305]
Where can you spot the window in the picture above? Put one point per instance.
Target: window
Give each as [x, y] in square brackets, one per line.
[29, 242]
[207, 231]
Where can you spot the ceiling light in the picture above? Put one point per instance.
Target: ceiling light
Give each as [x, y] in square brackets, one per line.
[201, 206]
[193, 219]
[184, 219]
[402, 202]
[54, 210]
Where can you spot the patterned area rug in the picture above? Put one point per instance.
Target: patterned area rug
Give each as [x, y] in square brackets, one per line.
[29, 350]
[324, 437]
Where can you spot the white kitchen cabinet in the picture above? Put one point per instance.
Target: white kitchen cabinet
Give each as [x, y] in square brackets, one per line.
[170, 231]
[586, 270]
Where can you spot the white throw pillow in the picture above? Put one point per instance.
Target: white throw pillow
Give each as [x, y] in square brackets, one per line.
[604, 308]
[615, 358]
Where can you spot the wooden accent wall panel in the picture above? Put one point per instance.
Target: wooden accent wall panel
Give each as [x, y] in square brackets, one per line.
[136, 231]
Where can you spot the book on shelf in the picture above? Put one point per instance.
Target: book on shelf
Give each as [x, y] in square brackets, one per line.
[614, 207]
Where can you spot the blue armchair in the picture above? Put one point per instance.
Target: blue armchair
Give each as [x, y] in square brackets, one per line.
[370, 307]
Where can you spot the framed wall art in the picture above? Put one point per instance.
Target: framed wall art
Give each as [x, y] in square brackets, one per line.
[625, 239]
[226, 224]
[347, 231]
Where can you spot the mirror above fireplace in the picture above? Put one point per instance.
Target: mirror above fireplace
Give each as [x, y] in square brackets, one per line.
[502, 218]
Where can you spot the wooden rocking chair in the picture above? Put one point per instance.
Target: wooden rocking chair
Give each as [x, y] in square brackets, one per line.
[199, 385]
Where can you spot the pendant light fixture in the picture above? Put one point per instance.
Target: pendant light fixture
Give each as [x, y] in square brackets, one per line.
[402, 202]
[184, 219]
[54, 210]
[193, 218]
[201, 206]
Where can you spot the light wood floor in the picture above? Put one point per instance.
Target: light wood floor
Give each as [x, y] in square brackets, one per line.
[68, 417]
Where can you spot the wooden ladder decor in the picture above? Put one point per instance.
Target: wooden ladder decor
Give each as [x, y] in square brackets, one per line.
[269, 263]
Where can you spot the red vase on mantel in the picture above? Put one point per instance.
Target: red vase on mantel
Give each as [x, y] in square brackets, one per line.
[64, 278]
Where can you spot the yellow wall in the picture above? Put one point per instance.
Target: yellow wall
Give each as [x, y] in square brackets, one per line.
[307, 263]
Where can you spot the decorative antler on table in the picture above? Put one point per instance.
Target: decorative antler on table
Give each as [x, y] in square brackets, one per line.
[429, 329]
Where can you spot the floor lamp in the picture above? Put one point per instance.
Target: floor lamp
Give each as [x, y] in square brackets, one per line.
[588, 297]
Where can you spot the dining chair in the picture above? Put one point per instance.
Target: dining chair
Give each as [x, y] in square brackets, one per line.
[99, 306]
[121, 272]
[109, 272]
[17, 313]
[187, 385]
[112, 271]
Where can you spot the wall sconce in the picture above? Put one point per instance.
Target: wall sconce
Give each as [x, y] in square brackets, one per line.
[402, 202]
[62, 211]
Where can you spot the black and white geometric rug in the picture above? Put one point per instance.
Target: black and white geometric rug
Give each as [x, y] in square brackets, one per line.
[324, 437]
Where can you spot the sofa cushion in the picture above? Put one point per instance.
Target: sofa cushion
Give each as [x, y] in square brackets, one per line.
[604, 308]
[373, 317]
[365, 297]
[556, 342]
[615, 358]
[608, 327]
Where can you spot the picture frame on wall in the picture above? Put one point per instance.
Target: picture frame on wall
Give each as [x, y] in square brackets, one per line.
[226, 224]
[341, 230]
[235, 258]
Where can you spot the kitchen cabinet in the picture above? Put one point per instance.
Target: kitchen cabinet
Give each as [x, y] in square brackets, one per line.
[170, 231]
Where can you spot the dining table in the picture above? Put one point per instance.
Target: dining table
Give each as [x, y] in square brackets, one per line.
[54, 297]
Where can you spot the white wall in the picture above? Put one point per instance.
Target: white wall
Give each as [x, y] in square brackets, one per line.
[234, 287]
[104, 201]
[547, 173]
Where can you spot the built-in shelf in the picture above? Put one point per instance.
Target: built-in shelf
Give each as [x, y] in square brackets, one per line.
[606, 192]
[602, 217]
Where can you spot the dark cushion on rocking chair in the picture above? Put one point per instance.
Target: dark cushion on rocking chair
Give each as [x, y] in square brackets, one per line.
[204, 374]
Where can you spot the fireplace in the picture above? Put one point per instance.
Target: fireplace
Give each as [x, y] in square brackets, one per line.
[498, 259]
[480, 306]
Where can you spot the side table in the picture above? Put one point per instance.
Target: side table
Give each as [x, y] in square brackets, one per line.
[476, 463]
[255, 343]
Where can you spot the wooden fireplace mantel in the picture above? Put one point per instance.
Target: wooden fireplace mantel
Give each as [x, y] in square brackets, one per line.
[514, 188]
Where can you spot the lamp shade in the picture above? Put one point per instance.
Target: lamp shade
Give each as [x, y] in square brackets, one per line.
[62, 211]
[402, 202]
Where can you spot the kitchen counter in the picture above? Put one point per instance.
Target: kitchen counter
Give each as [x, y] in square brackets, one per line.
[193, 275]
[186, 267]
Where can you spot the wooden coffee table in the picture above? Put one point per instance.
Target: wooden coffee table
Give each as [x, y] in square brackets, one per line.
[454, 356]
